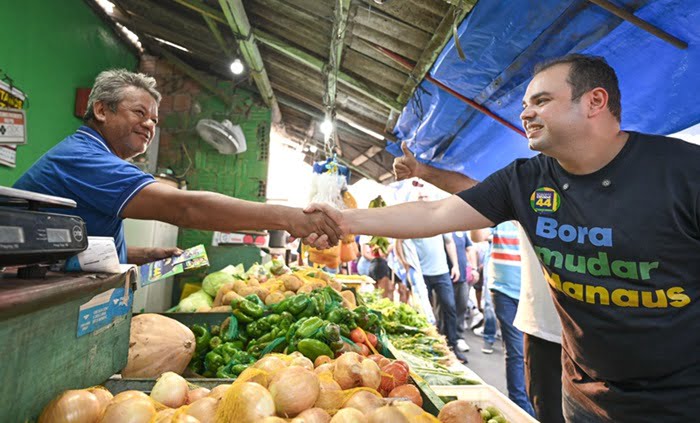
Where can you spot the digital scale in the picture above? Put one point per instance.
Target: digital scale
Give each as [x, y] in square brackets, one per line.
[29, 236]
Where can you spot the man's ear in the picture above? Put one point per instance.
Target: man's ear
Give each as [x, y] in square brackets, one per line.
[99, 109]
[597, 101]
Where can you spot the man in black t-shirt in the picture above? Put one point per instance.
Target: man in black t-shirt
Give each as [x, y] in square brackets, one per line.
[615, 219]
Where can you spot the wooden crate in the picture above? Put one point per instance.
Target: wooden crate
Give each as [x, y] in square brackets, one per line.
[40, 350]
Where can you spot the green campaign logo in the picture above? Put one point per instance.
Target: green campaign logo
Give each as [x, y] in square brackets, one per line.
[545, 200]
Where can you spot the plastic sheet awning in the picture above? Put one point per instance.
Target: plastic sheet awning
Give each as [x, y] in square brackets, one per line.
[503, 40]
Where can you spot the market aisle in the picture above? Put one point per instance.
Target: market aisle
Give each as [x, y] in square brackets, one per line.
[490, 367]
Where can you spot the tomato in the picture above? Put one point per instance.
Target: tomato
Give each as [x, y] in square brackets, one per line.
[358, 336]
[364, 350]
[372, 338]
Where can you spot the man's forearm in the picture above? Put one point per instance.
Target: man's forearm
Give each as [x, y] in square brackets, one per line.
[446, 180]
[212, 211]
[137, 255]
[452, 253]
[404, 221]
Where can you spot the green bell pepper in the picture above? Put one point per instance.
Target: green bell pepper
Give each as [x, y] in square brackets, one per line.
[297, 304]
[215, 342]
[202, 336]
[309, 328]
[213, 360]
[196, 366]
[312, 348]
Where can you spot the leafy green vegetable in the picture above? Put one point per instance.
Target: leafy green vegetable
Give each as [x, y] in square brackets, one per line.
[194, 301]
[216, 280]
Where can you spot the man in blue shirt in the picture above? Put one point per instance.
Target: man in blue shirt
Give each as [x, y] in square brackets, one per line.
[90, 167]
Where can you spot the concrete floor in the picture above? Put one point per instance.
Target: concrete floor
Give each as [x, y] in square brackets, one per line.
[490, 367]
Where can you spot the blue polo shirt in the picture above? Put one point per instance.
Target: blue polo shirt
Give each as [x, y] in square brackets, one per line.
[84, 169]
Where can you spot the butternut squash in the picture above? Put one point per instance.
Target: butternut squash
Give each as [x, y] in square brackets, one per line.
[158, 344]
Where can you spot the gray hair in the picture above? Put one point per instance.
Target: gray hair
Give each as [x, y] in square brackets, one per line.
[110, 86]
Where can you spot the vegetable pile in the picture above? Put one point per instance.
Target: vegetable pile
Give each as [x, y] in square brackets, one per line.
[276, 388]
[315, 324]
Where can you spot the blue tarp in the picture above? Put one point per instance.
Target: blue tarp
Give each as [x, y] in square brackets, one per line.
[503, 40]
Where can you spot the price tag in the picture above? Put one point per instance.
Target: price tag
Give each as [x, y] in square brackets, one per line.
[103, 309]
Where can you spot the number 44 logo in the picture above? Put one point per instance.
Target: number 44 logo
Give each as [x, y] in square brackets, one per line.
[545, 200]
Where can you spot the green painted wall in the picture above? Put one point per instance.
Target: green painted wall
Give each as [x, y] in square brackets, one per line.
[50, 48]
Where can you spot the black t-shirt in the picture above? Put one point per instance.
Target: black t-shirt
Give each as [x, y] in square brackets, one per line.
[621, 252]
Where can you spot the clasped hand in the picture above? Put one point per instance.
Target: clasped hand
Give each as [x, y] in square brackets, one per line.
[321, 226]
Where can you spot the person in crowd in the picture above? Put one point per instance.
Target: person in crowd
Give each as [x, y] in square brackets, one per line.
[621, 293]
[504, 278]
[91, 167]
[461, 286]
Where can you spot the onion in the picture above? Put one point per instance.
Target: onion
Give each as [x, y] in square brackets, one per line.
[348, 370]
[407, 391]
[380, 360]
[270, 364]
[196, 394]
[75, 406]
[460, 411]
[259, 376]
[294, 389]
[331, 394]
[273, 419]
[204, 409]
[125, 395]
[302, 362]
[103, 396]
[370, 375]
[364, 401]
[349, 415]
[170, 390]
[245, 403]
[183, 418]
[312, 415]
[415, 414]
[322, 359]
[164, 416]
[131, 410]
[387, 414]
[219, 391]
[328, 367]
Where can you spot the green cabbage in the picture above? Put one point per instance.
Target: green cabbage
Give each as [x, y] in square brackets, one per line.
[194, 301]
[216, 280]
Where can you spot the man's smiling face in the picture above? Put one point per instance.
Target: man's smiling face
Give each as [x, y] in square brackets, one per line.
[131, 127]
[549, 115]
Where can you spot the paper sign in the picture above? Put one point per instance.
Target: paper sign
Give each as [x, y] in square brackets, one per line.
[12, 126]
[191, 258]
[8, 155]
[100, 256]
[103, 309]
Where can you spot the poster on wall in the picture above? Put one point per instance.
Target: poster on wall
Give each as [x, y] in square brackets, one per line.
[11, 101]
[8, 155]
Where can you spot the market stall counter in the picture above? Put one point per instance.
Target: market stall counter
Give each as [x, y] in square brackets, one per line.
[59, 332]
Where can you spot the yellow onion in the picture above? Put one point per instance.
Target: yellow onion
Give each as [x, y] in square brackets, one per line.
[322, 359]
[365, 401]
[170, 390]
[302, 362]
[103, 396]
[326, 367]
[312, 415]
[270, 364]
[195, 394]
[387, 414]
[273, 419]
[245, 403]
[163, 416]
[204, 409]
[348, 370]
[125, 395]
[75, 406]
[330, 396]
[219, 391]
[131, 410]
[370, 375]
[294, 389]
[460, 411]
[349, 415]
[259, 376]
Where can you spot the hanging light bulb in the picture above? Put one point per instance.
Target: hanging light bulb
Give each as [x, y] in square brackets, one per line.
[327, 128]
[237, 67]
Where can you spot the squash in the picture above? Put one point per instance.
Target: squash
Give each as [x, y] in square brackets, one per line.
[158, 344]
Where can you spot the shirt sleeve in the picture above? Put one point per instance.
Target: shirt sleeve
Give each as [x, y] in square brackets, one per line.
[101, 180]
[492, 197]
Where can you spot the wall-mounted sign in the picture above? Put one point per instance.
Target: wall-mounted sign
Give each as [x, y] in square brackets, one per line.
[13, 126]
[8, 155]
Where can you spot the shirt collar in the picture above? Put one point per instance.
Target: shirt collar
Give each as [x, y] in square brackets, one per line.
[93, 135]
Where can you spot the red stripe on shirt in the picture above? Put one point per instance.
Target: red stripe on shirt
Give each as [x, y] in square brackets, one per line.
[506, 241]
[504, 256]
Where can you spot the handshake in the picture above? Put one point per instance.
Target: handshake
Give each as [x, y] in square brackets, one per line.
[318, 225]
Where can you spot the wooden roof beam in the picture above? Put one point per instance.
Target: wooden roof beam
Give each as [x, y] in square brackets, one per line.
[340, 24]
